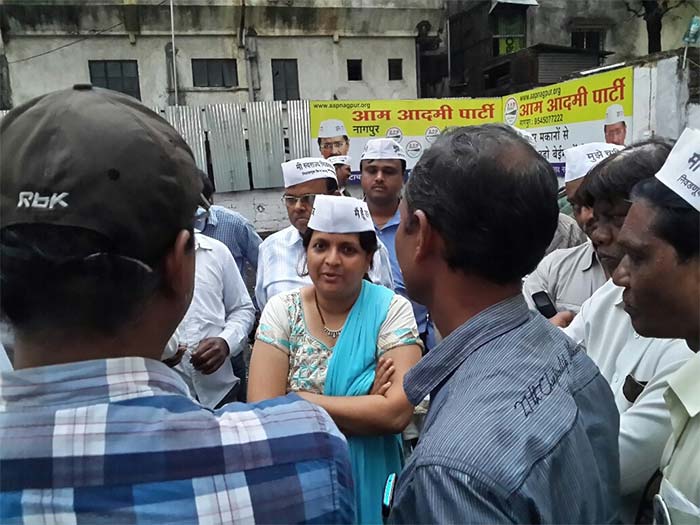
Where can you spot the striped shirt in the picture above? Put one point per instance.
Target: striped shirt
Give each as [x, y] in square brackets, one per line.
[235, 231]
[118, 441]
[522, 428]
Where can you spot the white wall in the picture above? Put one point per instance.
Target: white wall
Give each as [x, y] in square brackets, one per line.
[264, 208]
[661, 100]
[69, 66]
[321, 64]
[323, 69]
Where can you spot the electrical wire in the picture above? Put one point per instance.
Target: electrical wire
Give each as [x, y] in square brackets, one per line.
[99, 32]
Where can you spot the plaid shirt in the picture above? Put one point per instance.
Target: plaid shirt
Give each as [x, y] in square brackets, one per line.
[118, 441]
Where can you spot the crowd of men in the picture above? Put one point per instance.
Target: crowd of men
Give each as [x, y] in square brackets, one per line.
[562, 388]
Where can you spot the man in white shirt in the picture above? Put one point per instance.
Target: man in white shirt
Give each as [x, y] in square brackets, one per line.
[570, 275]
[637, 368]
[281, 255]
[216, 325]
[660, 275]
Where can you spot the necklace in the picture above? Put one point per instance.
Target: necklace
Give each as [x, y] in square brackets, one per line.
[330, 333]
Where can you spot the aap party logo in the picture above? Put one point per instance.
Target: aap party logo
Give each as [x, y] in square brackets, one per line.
[511, 111]
[432, 133]
[414, 149]
[394, 133]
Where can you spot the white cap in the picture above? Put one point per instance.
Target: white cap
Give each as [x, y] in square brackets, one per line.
[331, 128]
[581, 159]
[614, 114]
[302, 170]
[339, 159]
[525, 134]
[681, 171]
[332, 214]
[387, 149]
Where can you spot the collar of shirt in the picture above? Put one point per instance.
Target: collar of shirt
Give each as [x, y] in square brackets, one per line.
[685, 386]
[88, 382]
[619, 302]
[291, 236]
[592, 260]
[394, 221]
[443, 360]
[202, 242]
[209, 220]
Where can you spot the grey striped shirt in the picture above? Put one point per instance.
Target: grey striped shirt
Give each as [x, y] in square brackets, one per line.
[522, 428]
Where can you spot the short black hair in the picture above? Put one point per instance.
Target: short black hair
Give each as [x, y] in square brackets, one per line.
[403, 164]
[492, 198]
[368, 240]
[613, 179]
[72, 281]
[207, 186]
[331, 185]
[676, 221]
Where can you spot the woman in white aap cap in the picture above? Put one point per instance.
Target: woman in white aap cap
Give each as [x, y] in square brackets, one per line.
[337, 343]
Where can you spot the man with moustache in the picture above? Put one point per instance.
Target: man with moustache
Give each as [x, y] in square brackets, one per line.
[636, 367]
[660, 275]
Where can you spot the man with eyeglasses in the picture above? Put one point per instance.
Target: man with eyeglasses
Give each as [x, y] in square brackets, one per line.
[333, 139]
[280, 257]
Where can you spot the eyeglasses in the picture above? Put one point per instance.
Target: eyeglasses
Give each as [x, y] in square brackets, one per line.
[292, 200]
[331, 145]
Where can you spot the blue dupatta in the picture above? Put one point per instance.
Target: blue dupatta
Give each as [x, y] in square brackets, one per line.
[351, 370]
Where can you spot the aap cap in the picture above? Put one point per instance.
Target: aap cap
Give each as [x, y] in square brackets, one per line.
[97, 159]
[681, 171]
[331, 128]
[305, 169]
[385, 149]
[614, 114]
[526, 135]
[340, 159]
[332, 214]
[581, 159]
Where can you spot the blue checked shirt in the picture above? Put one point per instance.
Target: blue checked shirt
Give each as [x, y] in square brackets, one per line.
[118, 441]
[522, 428]
[282, 263]
[235, 231]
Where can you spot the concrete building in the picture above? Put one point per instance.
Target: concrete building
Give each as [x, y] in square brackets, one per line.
[226, 50]
[497, 47]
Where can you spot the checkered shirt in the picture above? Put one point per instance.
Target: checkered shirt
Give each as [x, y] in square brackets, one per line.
[118, 441]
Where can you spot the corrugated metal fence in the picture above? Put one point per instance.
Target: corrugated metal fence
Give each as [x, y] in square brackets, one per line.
[242, 145]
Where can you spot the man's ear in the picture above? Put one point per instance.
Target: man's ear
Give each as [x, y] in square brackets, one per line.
[178, 267]
[425, 235]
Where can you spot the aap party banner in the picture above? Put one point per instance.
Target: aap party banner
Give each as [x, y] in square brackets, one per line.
[597, 108]
[343, 127]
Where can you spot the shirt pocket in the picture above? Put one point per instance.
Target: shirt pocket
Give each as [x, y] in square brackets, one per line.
[633, 388]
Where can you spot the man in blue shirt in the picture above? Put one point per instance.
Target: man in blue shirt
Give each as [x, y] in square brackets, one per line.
[522, 427]
[229, 227]
[97, 256]
[383, 167]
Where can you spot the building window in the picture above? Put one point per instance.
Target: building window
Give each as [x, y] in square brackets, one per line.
[508, 28]
[588, 39]
[354, 69]
[395, 69]
[214, 72]
[118, 75]
[285, 79]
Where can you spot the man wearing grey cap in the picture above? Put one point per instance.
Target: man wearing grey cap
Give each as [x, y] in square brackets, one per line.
[97, 201]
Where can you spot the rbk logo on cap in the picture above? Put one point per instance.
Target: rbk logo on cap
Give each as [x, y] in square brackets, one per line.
[30, 199]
